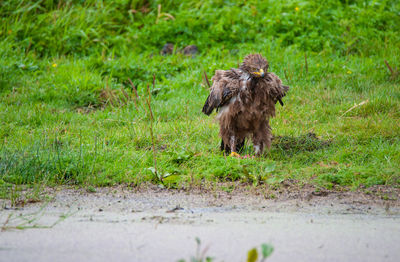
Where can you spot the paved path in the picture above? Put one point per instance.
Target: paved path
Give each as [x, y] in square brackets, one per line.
[142, 228]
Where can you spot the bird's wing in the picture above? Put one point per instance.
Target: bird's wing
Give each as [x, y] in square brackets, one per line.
[279, 98]
[275, 88]
[225, 86]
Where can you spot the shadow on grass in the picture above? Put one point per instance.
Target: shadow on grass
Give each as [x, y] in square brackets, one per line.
[291, 145]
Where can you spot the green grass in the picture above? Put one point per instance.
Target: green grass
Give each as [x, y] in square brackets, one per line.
[68, 114]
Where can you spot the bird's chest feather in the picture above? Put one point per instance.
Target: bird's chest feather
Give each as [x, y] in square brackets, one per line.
[248, 105]
[243, 110]
[253, 104]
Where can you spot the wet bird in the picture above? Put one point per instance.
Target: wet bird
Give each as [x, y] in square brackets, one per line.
[245, 99]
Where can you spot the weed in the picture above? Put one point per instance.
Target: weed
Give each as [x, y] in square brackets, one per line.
[252, 254]
[31, 220]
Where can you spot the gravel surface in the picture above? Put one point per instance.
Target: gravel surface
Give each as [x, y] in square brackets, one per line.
[118, 224]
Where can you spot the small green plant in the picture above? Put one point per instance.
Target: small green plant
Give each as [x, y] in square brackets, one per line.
[91, 189]
[266, 251]
[252, 255]
[200, 254]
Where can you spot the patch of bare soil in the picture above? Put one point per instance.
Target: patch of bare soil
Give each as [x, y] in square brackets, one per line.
[289, 197]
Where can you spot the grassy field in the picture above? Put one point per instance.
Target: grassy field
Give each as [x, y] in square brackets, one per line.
[70, 116]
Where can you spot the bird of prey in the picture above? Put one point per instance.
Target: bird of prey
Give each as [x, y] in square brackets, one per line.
[245, 99]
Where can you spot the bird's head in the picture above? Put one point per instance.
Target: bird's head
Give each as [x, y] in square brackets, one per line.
[255, 65]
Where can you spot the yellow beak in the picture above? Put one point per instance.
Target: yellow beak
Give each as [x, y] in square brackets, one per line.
[259, 73]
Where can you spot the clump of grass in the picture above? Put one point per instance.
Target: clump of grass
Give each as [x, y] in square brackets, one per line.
[52, 164]
[292, 145]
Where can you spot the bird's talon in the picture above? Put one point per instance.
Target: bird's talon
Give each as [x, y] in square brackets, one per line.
[234, 154]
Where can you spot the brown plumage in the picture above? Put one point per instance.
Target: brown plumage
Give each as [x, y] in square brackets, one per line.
[245, 99]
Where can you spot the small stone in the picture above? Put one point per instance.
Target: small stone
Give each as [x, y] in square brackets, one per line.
[190, 50]
[167, 49]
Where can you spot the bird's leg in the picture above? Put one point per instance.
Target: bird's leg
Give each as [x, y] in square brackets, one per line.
[225, 148]
[222, 147]
[240, 146]
[233, 147]
[258, 149]
[233, 143]
[262, 138]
